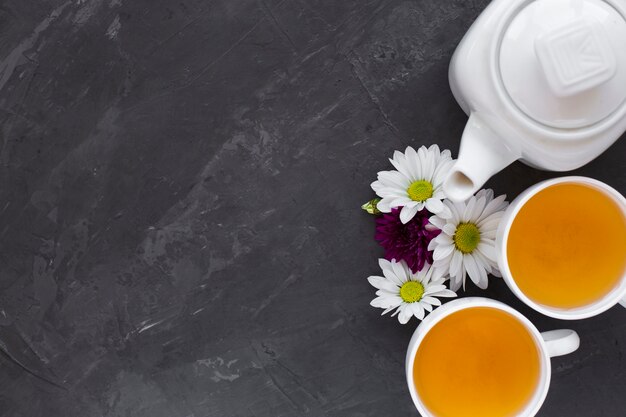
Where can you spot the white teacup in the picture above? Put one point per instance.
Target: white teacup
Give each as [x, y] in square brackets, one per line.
[613, 297]
[549, 344]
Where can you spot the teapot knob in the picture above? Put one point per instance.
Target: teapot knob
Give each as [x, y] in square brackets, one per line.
[575, 57]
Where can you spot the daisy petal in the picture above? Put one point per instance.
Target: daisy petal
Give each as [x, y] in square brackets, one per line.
[434, 206]
[431, 301]
[385, 190]
[394, 179]
[384, 264]
[462, 275]
[446, 293]
[384, 205]
[434, 288]
[400, 270]
[486, 193]
[433, 244]
[400, 202]
[385, 293]
[488, 234]
[437, 276]
[442, 264]
[405, 314]
[483, 261]
[440, 281]
[487, 241]
[480, 206]
[442, 171]
[387, 311]
[493, 206]
[455, 283]
[417, 310]
[473, 270]
[408, 213]
[491, 222]
[445, 239]
[399, 162]
[446, 213]
[412, 163]
[434, 148]
[442, 251]
[429, 167]
[488, 250]
[449, 229]
[392, 277]
[484, 279]
[455, 216]
[455, 264]
[468, 214]
[382, 284]
[386, 302]
[437, 221]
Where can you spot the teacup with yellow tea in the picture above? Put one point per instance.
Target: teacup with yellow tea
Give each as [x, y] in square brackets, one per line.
[562, 247]
[479, 357]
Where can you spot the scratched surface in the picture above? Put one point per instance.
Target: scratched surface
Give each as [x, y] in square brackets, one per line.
[180, 182]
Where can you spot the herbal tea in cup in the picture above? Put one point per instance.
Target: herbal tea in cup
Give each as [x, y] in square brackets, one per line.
[479, 357]
[562, 247]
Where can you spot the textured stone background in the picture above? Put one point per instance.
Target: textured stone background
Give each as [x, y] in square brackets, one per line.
[180, 181]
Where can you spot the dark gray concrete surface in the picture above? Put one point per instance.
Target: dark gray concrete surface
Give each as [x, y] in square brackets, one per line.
[180, 232]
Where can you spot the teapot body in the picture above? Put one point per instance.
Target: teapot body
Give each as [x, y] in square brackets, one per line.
[480, 70]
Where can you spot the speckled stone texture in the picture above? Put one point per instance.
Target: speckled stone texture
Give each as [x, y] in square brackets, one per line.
[180, 232]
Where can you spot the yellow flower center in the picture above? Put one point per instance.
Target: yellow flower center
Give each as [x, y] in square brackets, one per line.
[412, 291]
[466, 237]
[420, 190]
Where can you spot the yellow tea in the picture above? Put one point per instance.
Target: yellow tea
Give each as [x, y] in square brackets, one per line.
[477, 362]
[567, 246]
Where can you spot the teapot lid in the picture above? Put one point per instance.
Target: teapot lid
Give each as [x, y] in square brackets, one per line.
[563, 62]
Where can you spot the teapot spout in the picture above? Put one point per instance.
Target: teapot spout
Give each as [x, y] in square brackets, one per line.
[483, 153]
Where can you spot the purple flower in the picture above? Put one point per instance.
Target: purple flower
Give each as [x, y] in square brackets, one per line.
[406, 242]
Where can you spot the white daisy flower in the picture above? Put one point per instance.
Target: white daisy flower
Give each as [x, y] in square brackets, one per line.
[416, 184]
[410, 294]
[466, 245]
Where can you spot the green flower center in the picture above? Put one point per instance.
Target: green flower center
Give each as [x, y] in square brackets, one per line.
[420, 190]
[411, 291]
[466, 237]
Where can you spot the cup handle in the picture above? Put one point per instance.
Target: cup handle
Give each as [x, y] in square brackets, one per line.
[623, 301]
[561, 342]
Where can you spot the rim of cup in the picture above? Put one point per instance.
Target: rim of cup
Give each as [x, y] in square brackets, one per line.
[593, 309]
[541, 390]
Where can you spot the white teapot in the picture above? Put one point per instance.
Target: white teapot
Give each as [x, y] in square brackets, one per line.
[543, 81]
